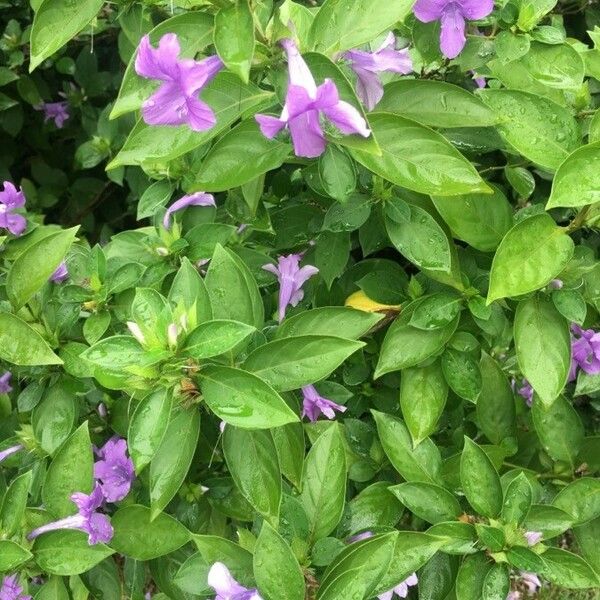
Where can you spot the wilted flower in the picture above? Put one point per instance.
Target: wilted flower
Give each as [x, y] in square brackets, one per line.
[291, 279]
[197, 199]
[227, 588]
[4, 454]
[585, 348]
[10, 200]
[5, 386]
[304, 104]
[95, 524]
[114, 471]
[11, 590]
[58, 111]
[176, 101]
[314, 404]
[366, 65]
[452, 14]
[533, 537]
[60, 274]
[401, 589]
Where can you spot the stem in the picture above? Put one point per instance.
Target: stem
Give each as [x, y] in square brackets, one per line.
[579, 221]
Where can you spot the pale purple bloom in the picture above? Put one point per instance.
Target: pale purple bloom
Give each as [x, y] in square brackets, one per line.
[114, 471]
[557, 284]
[172, 334]
[533, 537]
[58, 111]
[304, 105]
[60, 274]
[513, 596]
[365, 535]
[5, 386]
[401, 589]
[526, 391]
[102, 412]
[11, 590]
[227, 588]
[87, 519]
[585, 348]
[366, 65]
[453, 15]
[480, 82]
[10, 200]
[314, 404]
[197, 199]
[176, 101]
[4, 454]
[532, 581]
[291, 279]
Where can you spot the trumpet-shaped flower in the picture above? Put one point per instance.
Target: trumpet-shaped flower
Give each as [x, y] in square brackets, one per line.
[314, 404]
[176, 101]
[114, 471]
[4, 454]
[197, 199]
[453, 15]
[57, 111]
[585, 349]
[305, 103]
[10, 200]
[227, 588]
[60, 274]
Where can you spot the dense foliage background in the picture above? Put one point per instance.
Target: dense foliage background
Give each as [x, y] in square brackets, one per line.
[404, 401]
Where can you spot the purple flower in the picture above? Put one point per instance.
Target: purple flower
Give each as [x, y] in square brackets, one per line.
[533, 537]
[95, 524]
[304, 105]
[60, 274]
[401, 589]
[59, 111]
[526, 391]
[314, 404]
[197, 199]
[585, 348]
[480, 82]
[11, 590]
[452, 14]
[365, 535]
[114, 471]
[532, 581]
[291, 279]
[4, 454]
[176, 101]
[227, 588]
[366, 65]
[11, 199]
[5, 387]
[557, 284]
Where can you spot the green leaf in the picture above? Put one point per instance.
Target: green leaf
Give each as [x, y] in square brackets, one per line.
[471, 577]
[225, 94]
[418, 344]
[496, 584]
[537, 128]
[423, 393]
[517, 500]
[70, 471]
[119, 353]
[533, 253]
[243, 399]
[568, 570]
[436, 311]
[543, 346]
[436, 578]
[418, 158]
[481, 220]
[350, 215]
[420, 464]
[435, 104]
[55, 23]
[14, 503]
[332, 254]
[22, 345]
[463, 374]
[429, 502]
[68, 552]
[480, 480]
[324, 483]
[559, 429]
[343, 24]
[277, 572]
[240, 156]
[152, 313]
[292, 362]
[496, 413]
[53, 589]
[459, 538]
[103, 580]
[337, 173]
[580, 499]
[154, 197]
[12, 555]
[139, 536]
[577, 182]
[233, 290]
[558, 66]
[217, 549]
[216, 337]
[289, 442]
[147, 427]
[34, 266]
[341, 321]
[252, 461]
[188, 291]
[194, 31]
[587, 541]
[234, 38]
[173, 458]
[548, 519]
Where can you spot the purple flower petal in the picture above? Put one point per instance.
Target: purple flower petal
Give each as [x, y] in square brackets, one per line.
[158, 63]
[11, 197]
[476, 9]
[369, 88]
[61, 273]
[314, 404]
[4, 454]
[226, 587]
[307, 135]
[452, 37]
[5, 386]
[429, 10]
[55, 110]
[11, 590]
[115, 471]
[196, 199]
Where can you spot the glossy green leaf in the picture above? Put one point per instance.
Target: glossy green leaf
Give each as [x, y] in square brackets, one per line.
[337, 173]
[548, 519]
[429, 502]
[234, 38]
[471, 577]
[216, 337]
[580, 499]
[12, 555]
[289, 442]
[568, 570]
[496, 584]
[14, 503]
[189, 291]
[517, 500]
